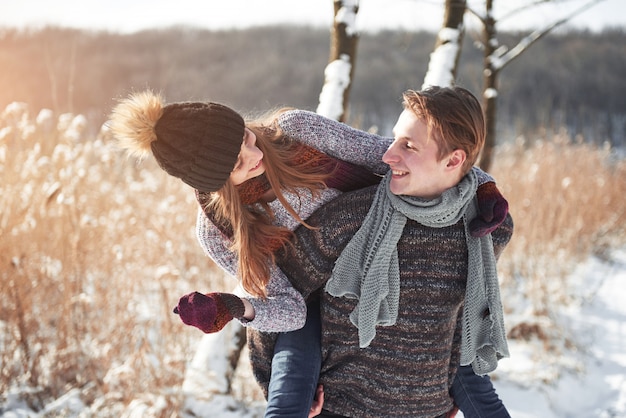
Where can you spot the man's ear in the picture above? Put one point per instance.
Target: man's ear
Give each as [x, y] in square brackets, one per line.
[456, 159]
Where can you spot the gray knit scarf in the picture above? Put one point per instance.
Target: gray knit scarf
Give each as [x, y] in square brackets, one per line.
[368, 269]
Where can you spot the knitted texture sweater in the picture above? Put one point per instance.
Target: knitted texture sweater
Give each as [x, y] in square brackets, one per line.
[409, 367]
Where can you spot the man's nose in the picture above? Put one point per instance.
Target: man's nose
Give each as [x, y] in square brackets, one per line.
[389, 156]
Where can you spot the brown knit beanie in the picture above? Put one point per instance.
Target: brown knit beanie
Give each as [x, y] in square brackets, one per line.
[198, 142]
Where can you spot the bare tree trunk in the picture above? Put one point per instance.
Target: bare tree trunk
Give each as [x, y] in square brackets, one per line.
[496, 58]
[453, 19]
[490, 86]
[208, 378]
[338, 74]
[441, 69]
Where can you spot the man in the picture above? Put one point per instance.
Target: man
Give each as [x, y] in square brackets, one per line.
[409, 294]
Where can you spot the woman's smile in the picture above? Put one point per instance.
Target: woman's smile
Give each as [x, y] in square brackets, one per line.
[259, 164]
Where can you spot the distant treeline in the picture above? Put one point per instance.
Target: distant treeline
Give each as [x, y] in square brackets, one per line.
[572, 79]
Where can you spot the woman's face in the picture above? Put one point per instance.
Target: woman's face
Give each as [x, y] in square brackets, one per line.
[250, 161]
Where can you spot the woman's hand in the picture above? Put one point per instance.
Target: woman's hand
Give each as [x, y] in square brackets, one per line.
[492, 210]
[210, 312]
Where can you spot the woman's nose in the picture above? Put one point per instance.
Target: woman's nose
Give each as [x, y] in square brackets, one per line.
[251, 151]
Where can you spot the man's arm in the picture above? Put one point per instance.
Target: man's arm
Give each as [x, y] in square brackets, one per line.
[502, 235]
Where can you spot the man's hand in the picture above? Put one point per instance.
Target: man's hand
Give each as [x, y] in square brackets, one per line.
[318, 402]
[210, 312]
[452, 413]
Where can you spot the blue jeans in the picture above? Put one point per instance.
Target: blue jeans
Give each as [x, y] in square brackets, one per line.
[296, 368]
[475, 395]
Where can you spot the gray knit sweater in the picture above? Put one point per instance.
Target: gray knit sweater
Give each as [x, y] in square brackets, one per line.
[409, 367]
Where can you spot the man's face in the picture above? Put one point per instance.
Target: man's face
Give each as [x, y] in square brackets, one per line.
[412, 157]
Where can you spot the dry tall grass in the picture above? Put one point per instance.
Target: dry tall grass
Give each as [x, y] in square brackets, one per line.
[95, 250]
[567, 201]
[94, 253]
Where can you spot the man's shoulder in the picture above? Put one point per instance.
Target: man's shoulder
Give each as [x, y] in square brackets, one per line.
[337, 221]
[354, 203]
[364, 195]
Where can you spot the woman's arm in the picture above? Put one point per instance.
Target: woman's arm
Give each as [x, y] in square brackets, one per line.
[344, 142]
[284, 309]
[364, 149]
[336, 139]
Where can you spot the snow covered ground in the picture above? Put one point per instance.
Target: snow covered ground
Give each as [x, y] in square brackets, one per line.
[592, 378]
[587, 380]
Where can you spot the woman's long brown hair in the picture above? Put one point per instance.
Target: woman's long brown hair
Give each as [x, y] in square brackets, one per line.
[252, 228]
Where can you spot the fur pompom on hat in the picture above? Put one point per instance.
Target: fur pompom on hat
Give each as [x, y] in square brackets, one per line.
[198, 142]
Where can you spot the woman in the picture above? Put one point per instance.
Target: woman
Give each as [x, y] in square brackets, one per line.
[255, 183]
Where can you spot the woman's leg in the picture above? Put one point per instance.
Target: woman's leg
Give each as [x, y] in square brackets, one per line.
[296, 368]
[475, 395]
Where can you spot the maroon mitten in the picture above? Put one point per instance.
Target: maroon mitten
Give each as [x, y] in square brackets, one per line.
[492, 210]
[210, 312]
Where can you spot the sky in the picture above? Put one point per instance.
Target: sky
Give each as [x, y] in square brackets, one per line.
[132, 15]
